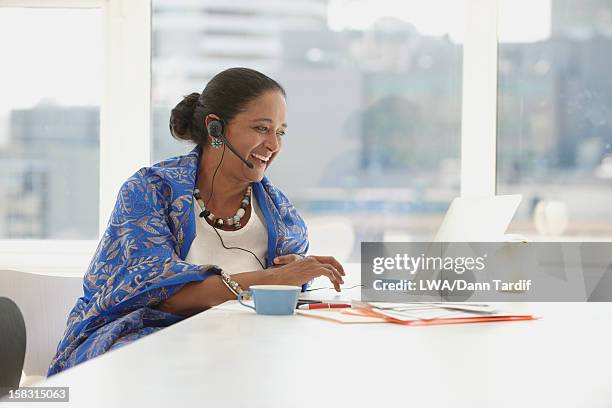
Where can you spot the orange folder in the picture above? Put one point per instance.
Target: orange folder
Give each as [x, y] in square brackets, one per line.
[437, 321]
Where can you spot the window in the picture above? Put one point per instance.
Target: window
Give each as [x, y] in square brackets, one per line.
[389, 73]
[385, 159]
[555, 115]
[50, 122]
[64, 117]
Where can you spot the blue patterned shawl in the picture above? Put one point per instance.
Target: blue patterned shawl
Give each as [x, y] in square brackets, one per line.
[140, 259]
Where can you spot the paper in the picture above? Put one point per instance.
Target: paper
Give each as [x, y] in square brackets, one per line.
[431, 314]
[415, 314]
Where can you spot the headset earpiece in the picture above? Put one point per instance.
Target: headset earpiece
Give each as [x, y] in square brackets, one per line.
[215, 128]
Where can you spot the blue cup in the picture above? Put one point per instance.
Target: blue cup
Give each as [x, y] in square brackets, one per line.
[272, 299]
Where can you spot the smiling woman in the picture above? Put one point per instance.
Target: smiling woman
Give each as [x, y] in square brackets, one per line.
[192, 231]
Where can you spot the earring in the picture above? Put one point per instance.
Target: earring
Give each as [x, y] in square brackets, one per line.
[216, 142]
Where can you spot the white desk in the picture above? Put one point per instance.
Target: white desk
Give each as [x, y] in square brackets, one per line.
[228, 356]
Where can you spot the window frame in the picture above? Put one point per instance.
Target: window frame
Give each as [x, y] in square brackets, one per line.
[125, 113]
[479, 103]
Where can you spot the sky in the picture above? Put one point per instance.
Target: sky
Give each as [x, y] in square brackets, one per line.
[57, 53]
[50, 53]
[520, 20]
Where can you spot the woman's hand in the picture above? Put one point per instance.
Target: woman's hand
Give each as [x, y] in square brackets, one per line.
[293, 269]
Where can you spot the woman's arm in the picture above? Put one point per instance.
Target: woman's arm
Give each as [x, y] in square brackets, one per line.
[195, 297]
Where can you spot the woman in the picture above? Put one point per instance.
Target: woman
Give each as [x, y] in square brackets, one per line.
[188, 233]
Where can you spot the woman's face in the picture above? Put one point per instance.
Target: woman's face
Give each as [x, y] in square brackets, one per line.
[256, 133]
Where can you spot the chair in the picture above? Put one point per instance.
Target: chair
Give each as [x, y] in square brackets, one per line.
[45, 301]
[12, 345]
[331, 235]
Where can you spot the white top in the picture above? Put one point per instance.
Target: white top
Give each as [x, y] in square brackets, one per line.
[206, 248]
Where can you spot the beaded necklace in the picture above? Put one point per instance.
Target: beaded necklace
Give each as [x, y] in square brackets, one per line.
[234, 220]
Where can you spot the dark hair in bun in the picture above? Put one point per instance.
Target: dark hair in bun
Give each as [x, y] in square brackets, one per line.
[225, 95]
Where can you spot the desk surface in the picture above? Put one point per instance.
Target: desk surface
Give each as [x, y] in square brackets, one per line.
[229, 356]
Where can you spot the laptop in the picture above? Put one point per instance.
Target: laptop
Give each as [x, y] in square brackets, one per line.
[478, 219]
[468, 219]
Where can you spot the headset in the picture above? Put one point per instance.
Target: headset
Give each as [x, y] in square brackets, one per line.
[216, 129]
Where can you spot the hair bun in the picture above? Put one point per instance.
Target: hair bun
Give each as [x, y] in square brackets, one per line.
[181, 116]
